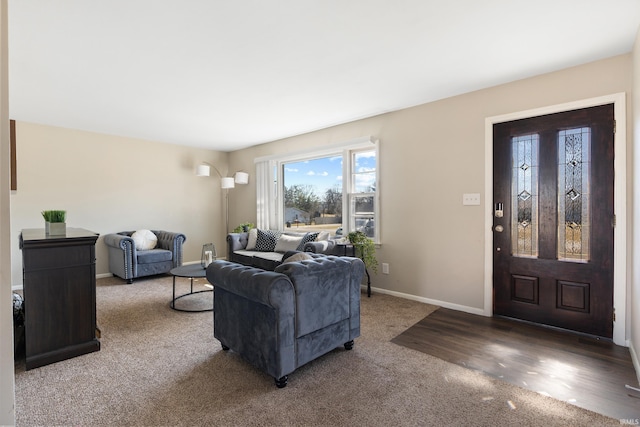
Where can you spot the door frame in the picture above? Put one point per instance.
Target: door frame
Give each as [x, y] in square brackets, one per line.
[620, 288]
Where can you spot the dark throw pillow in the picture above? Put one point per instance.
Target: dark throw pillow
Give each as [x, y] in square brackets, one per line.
[266, 241]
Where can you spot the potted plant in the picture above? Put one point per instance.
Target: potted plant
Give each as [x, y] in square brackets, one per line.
[365, 249]
[244, 227]
[55, 224]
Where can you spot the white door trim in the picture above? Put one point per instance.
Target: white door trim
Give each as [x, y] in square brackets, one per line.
[620, 287]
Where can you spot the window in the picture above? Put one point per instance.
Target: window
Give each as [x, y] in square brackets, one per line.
[362, 193]
[334, 190]
[313, 194]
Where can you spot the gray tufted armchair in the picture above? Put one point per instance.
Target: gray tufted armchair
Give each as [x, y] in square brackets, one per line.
[128, 263]
[280, 320]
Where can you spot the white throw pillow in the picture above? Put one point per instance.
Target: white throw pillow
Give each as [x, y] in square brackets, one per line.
[144, 240]
[324, 235]
[253, 238]
[287, 243]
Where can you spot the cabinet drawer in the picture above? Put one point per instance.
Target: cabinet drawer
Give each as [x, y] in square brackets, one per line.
[46, 258]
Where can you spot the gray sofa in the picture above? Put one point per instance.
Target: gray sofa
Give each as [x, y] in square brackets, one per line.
[128, 263]
[269, 260]
[279, 320]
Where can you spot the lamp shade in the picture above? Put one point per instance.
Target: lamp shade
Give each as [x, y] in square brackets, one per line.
[242, 178]
[227, 182]
[203, 170]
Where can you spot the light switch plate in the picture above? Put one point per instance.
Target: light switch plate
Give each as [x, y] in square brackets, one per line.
[471, 199]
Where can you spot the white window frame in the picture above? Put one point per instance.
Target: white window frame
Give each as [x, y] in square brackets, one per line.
[272, 200]
[349, 193]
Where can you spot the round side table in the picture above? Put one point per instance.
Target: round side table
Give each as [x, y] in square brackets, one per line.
[189, 271]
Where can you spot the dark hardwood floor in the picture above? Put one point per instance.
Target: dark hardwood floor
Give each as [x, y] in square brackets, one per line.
[588, 372]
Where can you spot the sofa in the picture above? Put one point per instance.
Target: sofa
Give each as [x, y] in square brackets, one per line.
[267, 248]
[133, 254]
[280, 320]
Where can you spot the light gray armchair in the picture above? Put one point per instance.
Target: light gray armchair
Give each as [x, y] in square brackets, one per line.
[128, 263]
[279, 320]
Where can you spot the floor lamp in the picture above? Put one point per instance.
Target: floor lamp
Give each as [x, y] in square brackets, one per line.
[226, 182]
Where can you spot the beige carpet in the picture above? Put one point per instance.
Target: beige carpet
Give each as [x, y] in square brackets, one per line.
[162, 367]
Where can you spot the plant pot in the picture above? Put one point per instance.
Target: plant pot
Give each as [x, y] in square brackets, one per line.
[55, 228]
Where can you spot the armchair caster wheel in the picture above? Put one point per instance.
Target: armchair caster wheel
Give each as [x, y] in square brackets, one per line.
[282, 381]
[129, 281]
[225, 348]
[348, 345]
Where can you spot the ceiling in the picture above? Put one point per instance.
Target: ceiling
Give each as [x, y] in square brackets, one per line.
[230, 74]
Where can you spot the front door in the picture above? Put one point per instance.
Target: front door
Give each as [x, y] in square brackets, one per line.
[553, 220]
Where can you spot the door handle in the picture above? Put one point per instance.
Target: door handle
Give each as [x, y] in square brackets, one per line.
[498, 228]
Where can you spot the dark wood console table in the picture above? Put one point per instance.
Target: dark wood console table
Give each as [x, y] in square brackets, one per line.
[59, 279]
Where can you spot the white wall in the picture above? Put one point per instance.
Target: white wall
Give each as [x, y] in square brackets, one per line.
[429, 156]
[7, 414]
[108, 184]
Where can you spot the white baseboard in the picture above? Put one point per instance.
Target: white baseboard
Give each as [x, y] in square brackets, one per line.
[457, 307]
[634, 359]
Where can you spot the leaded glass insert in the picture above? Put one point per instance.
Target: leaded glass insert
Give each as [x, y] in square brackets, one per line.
[574, 226]
[524, 195]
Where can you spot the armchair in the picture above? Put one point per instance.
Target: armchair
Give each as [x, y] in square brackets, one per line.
[280, 320]
[128, 263]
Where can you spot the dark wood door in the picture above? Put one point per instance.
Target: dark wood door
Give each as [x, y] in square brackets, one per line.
[554, 219]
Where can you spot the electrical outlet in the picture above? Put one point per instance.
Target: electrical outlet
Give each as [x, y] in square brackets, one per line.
[385, 268]
[470, 199]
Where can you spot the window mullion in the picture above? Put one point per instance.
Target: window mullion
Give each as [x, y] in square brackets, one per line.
[347, 189]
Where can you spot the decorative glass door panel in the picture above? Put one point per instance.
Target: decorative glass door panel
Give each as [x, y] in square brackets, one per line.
[524, 195]
[574, 150]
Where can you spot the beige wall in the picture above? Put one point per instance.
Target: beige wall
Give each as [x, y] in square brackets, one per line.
[108, 184]
[635, 291]
[429, 156]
